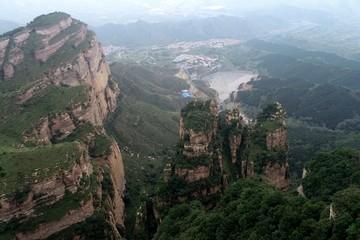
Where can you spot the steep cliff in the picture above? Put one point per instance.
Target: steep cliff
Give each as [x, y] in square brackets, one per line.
[61, 173]
[196, 171]
[266, 146]
[214, 150]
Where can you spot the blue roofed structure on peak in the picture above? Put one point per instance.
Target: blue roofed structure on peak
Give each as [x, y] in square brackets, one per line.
[185, 94]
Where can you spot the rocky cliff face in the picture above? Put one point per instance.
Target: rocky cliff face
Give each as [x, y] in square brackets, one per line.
[217, 149]
[200, 156]
[277, 168]
[198, 165]
[87, 182]
[235, 121]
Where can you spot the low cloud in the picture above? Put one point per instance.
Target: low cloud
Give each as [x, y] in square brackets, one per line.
[214, 7]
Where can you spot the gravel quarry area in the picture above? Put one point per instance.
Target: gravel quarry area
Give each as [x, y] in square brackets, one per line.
[226, 82]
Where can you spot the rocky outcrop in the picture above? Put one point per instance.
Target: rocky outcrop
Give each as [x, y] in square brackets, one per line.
[21, 37]
[8, 71]
[50, 49]
[72, 217]
[91, 68]
[3, 45]
[48, 191]
[235, 142]
[234, 121]
[276, 139]
[277, 174]
[88, 68]
[51, 31]
[197, 142]
[247, 169]
[199, 162]
[192, 175]
[116, 165]
[15, 55]
[54, 127]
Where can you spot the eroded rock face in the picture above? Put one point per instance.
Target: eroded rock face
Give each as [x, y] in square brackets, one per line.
[247, 169]
[52, 31]
[196, 143]
[278, 175]
[88, 68]
[50, 190]
[57, 127]
[3, 44]
[191, 175]
[235, 120]
[276, 139]
[50, 49]
[72, 217]
[116, 165]
[235, 142]
[201, 158]
[8, 71]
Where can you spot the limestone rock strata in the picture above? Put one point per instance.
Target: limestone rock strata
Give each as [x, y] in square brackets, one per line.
[49, 50]
[276, 139]
[192, 175]
[116, 165]
[89, 67]
[57, 127]
[52, 31]
[49, 190]
[277, 174]
[3, 44]
[72, 217]
[201, 159]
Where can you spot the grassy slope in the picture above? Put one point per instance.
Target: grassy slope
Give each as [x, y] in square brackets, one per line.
[19, 118]
[145, 124]
[23, 166]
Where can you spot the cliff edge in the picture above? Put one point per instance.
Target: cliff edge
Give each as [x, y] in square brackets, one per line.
[61, 173]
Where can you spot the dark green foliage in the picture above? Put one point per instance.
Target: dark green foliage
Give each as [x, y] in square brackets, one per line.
[48, 19]
[249, 209]
[197, 116]
[107, 185]
[324, 105]
[12, 32]
[100, 146]
[331, 172]
[284, 61]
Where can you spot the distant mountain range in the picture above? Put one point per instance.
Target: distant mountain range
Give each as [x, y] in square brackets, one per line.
[6, 25]
[251, 25]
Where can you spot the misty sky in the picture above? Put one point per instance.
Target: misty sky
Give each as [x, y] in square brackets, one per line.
[97, 12]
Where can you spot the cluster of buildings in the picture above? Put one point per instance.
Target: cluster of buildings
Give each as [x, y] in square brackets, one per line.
[195, 66]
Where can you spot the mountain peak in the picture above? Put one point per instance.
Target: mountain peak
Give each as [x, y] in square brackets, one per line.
[27, 53]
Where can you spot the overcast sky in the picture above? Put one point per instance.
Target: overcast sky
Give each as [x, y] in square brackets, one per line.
[96, 12]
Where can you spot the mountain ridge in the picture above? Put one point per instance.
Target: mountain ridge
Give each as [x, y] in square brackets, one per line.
[60, 170]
